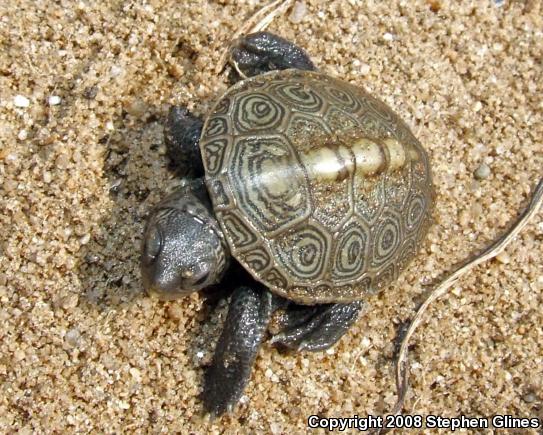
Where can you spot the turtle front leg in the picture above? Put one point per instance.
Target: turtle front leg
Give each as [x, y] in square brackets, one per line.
[182, 135]
[248, 316]
[322, 327]
[261, 52]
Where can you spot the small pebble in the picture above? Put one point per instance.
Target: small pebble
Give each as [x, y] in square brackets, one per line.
[435, 6]
[364, 69]
[91, 258]
[116, 71]
[464, 218]
[70, 301]
[482, 172]
[21, 101]
[54, 100]
[115, 185]
[73, 337]
[298, 13]
[90, 92]
[175, 312]
[19, 355]
[62, 161]
[503, 257]
[529, 397]
[476, 210]
[85, 239]
[136, 374]
[22, 135]
[136, 108]
[175, 70]
[276, 428]
[388, 36]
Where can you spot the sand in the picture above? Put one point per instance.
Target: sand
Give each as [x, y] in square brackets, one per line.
[85, 87]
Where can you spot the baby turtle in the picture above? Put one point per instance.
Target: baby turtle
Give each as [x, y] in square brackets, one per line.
[315, 187]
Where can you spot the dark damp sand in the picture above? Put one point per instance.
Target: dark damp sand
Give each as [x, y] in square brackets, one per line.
[82, 350]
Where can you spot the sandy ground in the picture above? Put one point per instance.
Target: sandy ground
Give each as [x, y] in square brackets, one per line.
[85, 87]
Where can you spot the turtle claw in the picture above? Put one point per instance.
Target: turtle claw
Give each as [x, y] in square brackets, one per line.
[219, 395]
[261, 52]
[323, 330]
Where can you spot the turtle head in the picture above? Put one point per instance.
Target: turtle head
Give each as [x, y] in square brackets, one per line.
[183, 249]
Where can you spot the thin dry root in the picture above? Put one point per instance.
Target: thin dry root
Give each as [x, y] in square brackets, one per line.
[402, 365]
[238, 70]
[259, 21]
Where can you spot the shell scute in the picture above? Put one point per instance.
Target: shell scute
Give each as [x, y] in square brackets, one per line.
[322, 191]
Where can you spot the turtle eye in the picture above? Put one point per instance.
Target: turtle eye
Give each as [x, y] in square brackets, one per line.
[153, 244]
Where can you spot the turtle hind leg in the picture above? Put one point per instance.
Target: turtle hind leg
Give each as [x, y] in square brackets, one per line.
[325, 326]
[261, 52]
[248, 316]
[182, 136]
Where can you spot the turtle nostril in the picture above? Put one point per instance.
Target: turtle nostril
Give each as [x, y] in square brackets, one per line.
[187, 274]
[193, 278]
